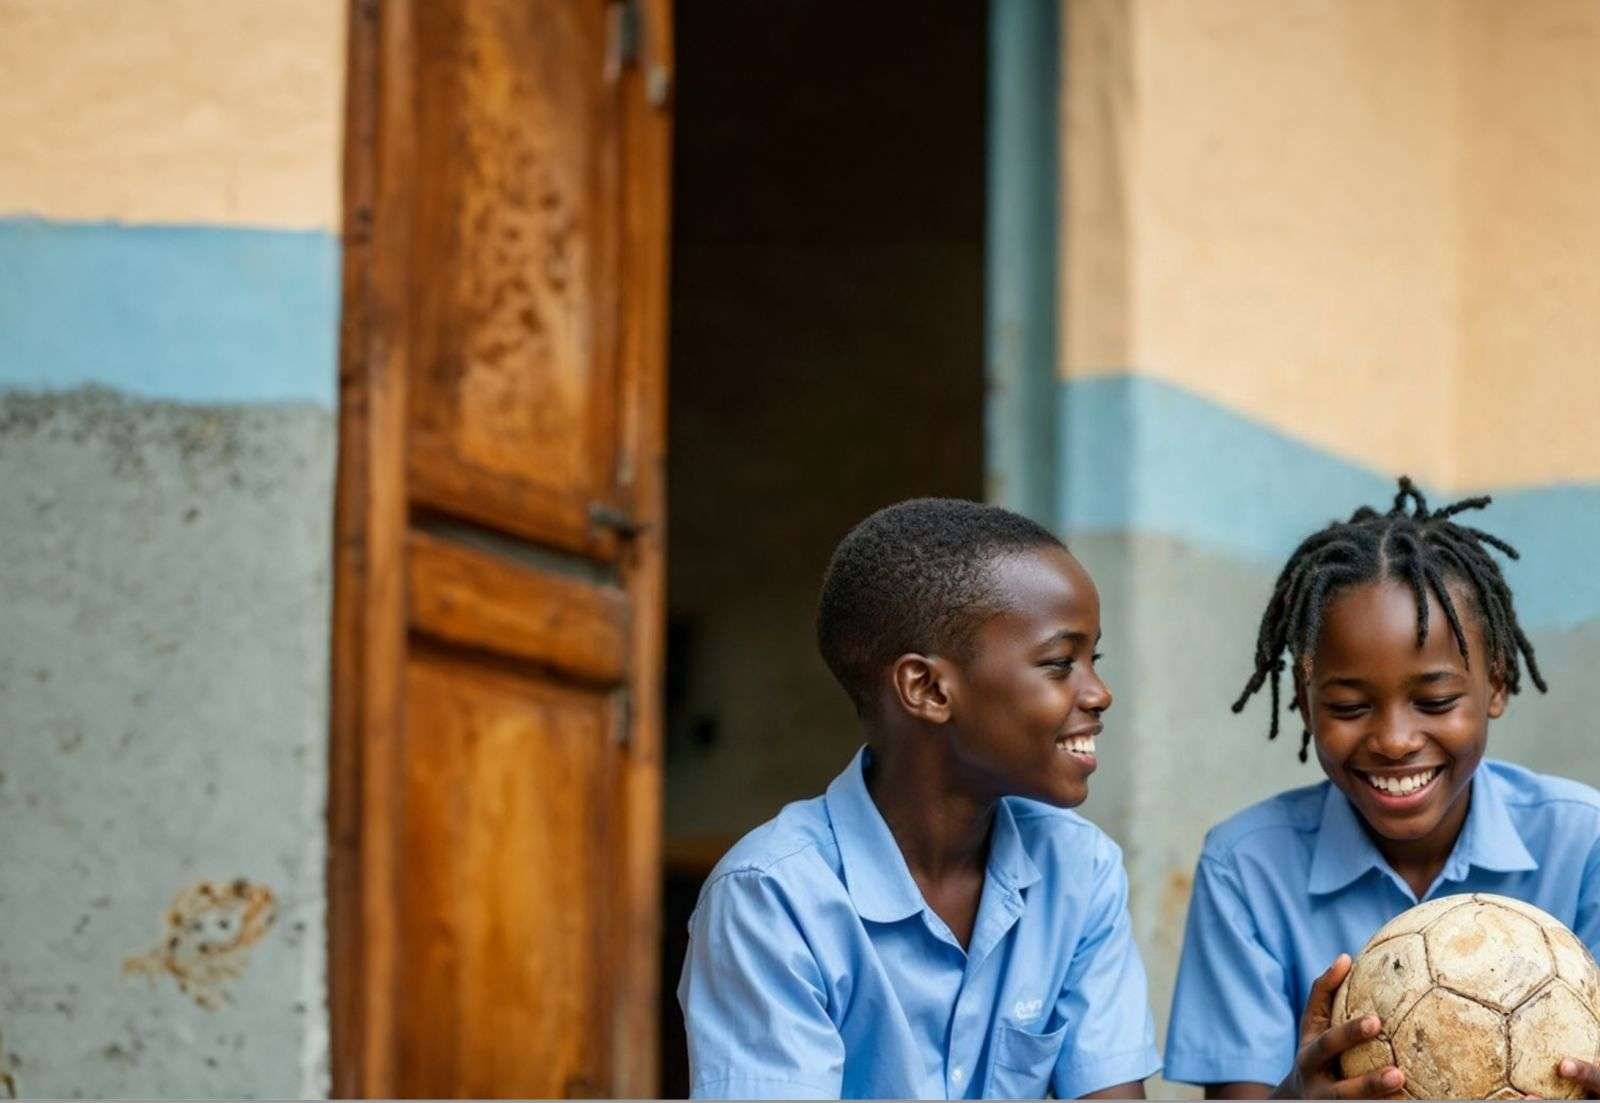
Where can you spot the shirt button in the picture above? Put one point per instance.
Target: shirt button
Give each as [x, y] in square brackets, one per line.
[955, 1074]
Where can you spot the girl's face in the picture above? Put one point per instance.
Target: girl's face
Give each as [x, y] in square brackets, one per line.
[1400, 728]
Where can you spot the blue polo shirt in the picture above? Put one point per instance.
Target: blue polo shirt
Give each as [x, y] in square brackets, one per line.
[816, 970]
[1286, 886]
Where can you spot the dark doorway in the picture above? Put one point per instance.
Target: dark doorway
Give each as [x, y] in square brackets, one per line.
[826, 359]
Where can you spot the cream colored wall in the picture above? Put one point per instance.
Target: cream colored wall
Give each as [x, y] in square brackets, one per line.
[1368, 223]
[1529, 76]
[172, 111]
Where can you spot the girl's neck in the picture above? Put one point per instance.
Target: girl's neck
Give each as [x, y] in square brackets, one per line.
[1420, 861]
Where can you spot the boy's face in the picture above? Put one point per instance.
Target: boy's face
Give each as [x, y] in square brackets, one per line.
[1025, 707]
[1400, 728]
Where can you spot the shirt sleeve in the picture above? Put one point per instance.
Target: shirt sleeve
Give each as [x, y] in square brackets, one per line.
[1586, 924]
[1106, 997]
[1232, 1016]
[753, 999]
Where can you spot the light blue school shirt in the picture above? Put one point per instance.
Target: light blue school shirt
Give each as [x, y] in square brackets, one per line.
[816, 970]
[1286, 886]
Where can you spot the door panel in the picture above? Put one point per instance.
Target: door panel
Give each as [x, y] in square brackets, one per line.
[516, 228]
[469, 597]
[509, 852]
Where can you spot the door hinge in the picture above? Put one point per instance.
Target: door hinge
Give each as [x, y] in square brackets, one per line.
[626, 47]
[610, 517]
[622, 719]
[622, 36]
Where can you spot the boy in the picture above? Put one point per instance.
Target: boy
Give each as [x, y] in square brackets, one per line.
[1404, 644]
[936, 925]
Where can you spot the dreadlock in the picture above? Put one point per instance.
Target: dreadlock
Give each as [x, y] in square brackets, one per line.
[1420, 547]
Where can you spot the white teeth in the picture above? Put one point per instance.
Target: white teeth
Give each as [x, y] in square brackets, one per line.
[1400, 786]
[1078, 744]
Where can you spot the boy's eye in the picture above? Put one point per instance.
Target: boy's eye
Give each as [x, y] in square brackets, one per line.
[1438, 704]
[1346, 710]
[1097, 656]
[1061, 666]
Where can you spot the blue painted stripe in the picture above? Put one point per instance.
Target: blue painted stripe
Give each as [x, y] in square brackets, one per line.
[196, 314]
[1146, 455]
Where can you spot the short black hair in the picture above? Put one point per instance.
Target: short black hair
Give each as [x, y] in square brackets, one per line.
[914, 577]
[1421, 547]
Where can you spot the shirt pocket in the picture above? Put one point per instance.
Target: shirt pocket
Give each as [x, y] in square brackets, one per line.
[1023, 1062]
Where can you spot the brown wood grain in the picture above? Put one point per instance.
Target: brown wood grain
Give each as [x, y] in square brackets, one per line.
[646, 219]
[368, 641]
[509, 849]
[473, 599]
[517, 227]
[494, 797]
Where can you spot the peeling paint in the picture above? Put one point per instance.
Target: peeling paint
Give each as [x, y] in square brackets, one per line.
[208, 929]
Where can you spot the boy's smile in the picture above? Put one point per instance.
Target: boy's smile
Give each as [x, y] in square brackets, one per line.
[1400, 729]
[1027, 704]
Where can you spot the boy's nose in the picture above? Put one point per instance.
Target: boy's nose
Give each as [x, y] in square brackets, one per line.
[1096, 695]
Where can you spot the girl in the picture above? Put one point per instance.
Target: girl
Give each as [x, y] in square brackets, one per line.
[1403, 644]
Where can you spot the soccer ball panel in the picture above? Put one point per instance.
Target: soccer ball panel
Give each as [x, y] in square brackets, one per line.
[1451, 1047]
[1493, 954]
[1387, 979]
[1413, 920]
[1554, 1023]
[1369, 1056]
[1538, 915]
[1574, 964]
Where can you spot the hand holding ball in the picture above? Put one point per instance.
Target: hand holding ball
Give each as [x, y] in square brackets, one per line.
[1480, 997]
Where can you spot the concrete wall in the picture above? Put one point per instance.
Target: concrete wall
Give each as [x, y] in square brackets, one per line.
[1307, 246]
[168, 317]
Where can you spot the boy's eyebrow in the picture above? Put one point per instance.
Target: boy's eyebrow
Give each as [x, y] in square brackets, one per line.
[1066, 634]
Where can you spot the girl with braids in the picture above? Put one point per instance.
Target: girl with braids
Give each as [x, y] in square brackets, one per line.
[1397, 638]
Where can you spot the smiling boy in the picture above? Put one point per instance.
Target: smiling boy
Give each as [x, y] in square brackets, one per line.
[937, 925]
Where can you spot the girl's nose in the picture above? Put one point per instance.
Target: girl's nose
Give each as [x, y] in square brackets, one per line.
[1395, 736]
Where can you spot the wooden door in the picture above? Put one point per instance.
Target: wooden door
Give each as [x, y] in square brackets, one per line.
[494, 799]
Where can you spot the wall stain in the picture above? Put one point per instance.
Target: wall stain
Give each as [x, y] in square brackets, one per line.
[207, 931]
[8, 1061]
[1175, 898]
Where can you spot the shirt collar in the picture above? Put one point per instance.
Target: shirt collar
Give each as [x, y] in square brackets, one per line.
[1489, 840]
[875, 871]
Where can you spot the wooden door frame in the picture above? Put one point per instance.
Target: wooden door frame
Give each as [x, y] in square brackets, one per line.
[370, 621]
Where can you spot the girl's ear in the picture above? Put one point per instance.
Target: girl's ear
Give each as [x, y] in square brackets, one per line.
[922, 687]
[1301, 700]
[1497, 694]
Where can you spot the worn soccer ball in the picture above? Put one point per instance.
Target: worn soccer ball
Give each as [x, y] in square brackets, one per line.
[1480, 997]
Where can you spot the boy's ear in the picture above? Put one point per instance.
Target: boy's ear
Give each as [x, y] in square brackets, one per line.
[921, 686]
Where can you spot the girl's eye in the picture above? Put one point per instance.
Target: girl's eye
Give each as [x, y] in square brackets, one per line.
[1346, 711]
[1438, 704]
[1097, 656]
[1059, 666]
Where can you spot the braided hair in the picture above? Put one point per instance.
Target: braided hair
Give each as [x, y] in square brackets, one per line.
[1419, 546]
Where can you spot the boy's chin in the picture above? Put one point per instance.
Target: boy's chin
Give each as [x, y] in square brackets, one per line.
[1066, 795]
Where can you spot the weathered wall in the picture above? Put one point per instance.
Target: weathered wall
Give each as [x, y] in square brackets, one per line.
[1308, 246]
[168, 316]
